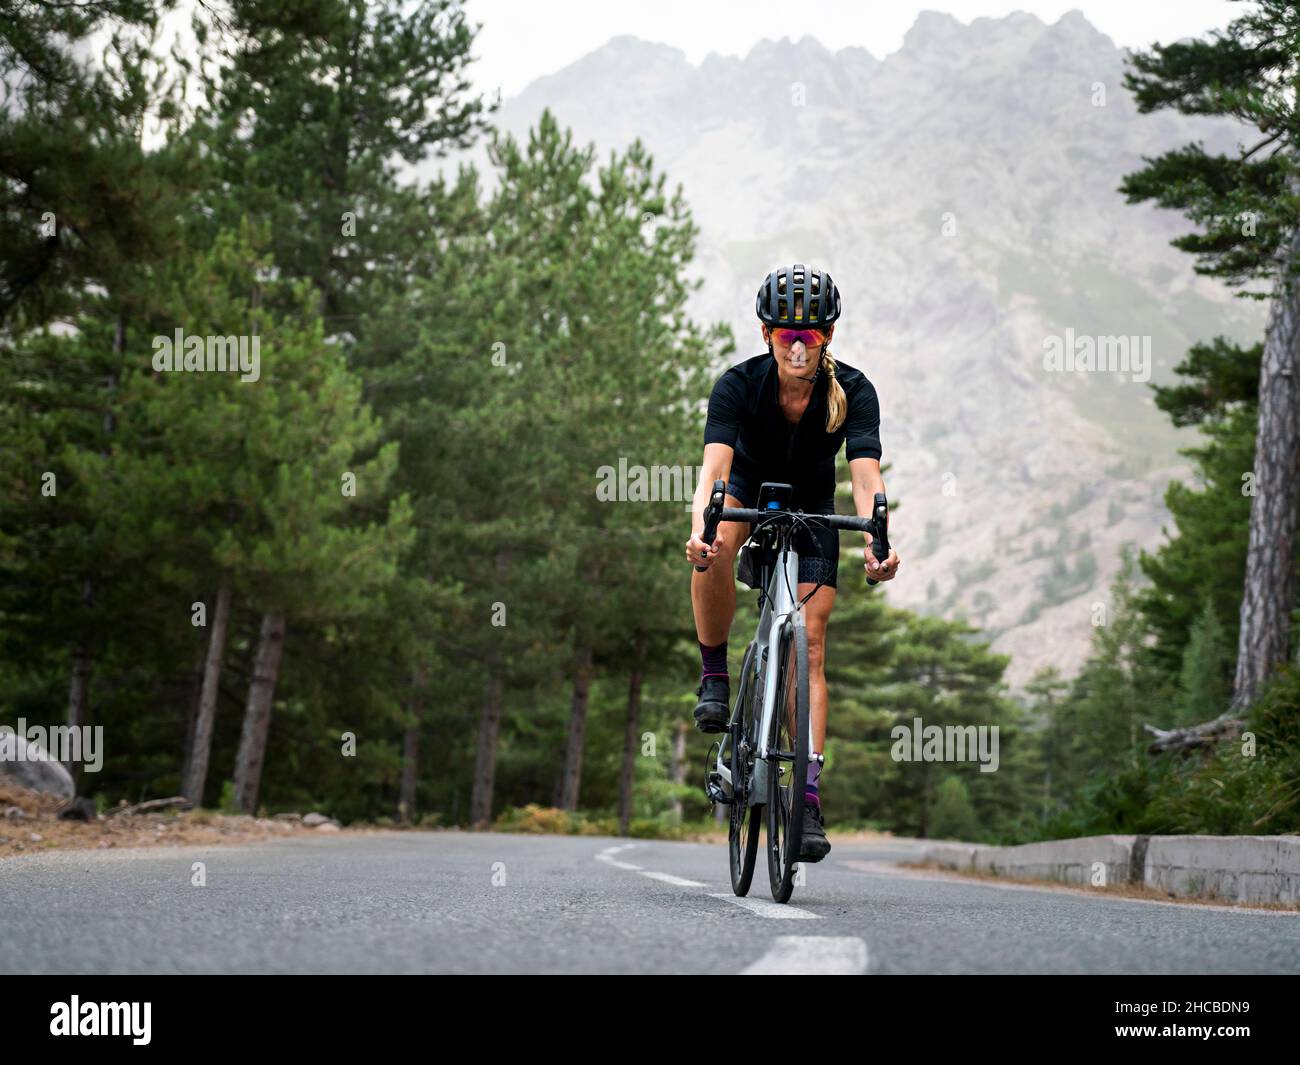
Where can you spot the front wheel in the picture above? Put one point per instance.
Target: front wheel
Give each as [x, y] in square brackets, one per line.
[746, 819]
[787, 766]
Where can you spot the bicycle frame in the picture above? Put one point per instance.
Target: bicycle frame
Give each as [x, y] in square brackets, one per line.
[780, 608]
[780, 603]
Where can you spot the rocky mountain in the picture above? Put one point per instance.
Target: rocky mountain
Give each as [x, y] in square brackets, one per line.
[962, 193]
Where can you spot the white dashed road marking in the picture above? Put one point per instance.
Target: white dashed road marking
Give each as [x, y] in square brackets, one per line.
[803, 955]
[676, 881]
[812, 956]
[776, 910]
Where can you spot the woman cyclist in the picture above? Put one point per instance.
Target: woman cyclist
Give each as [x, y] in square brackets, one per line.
[783, 416]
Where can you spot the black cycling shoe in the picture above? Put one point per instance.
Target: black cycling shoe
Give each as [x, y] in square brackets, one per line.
[814, 846]
[714, 710]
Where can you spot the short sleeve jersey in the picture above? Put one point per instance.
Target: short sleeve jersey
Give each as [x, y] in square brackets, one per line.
[745, 413]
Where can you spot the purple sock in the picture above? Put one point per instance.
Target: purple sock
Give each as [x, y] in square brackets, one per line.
[810, 789]
[714, 660]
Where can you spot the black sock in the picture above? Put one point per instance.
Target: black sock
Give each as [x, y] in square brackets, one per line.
[714, 660]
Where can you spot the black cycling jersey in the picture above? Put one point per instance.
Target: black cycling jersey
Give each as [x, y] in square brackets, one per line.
[745, 413]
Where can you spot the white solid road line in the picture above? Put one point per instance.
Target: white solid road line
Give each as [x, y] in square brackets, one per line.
[812, 956]
[617, 864]
[676, 881]
[776, 910]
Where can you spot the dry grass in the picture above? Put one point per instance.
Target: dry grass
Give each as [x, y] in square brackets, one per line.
[38, 827]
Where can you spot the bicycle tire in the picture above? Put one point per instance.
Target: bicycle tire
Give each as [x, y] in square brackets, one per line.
[745, 821]
[788, 762]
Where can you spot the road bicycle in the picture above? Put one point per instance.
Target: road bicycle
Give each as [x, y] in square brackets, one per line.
[761, 763]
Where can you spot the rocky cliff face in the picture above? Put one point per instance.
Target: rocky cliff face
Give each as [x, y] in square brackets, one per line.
[962, 192]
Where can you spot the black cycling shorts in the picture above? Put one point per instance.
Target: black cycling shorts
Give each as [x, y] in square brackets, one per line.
[818, 548]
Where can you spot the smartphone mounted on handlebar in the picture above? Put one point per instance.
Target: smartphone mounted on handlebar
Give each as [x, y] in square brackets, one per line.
[775, 496]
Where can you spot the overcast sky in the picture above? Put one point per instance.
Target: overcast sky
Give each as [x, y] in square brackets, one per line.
[524, 39]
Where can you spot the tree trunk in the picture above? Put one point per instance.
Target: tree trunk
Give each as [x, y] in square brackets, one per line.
[79, 689]
[257, 712]
[630, 735]
[411, 748]
[924, 833]
[1209, 734]
[1270, 553]
[485, 758]
[679, 766]
[489, 723]
[191, 714]
[572, 779]
[196, 769]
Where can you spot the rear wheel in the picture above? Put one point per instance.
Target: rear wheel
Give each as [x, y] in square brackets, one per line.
[787, 771]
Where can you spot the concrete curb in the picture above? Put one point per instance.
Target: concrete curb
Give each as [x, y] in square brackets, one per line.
[1239, 868]
[1228, 868]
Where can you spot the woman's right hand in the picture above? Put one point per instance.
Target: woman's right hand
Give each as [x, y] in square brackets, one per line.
[698, 553]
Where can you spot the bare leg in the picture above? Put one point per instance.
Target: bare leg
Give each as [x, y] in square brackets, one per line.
[713, 592]
[816, 612]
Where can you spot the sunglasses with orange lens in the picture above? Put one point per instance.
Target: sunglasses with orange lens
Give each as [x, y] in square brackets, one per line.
[786, 337]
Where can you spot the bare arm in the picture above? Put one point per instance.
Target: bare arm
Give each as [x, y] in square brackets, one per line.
[715, 467]
[865, 473]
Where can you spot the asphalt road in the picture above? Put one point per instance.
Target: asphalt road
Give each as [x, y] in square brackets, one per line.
[448, 902]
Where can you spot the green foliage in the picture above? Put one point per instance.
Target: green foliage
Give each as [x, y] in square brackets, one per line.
[1205, 684]
[1249, 786]
[226, 804]
[954, 813]
[1233, 788]
[1208, 556]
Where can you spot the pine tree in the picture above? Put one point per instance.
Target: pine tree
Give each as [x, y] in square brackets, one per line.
[1205, 681]
[1248, 208]
[85, 210]
[312, 114]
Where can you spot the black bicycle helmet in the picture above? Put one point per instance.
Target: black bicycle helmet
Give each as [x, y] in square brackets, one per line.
[775, 303]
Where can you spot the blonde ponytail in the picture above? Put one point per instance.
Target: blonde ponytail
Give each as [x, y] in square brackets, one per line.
[836, 403]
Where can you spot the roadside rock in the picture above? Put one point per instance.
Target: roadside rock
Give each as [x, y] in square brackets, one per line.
[28, 765]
